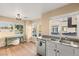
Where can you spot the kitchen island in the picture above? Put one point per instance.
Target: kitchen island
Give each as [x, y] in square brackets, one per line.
[68, 47]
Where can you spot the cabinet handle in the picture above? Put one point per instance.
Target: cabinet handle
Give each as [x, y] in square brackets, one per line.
[54, 49]
[58, 51]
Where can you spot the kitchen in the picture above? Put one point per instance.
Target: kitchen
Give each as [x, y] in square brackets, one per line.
[59, 38]
[54, 33]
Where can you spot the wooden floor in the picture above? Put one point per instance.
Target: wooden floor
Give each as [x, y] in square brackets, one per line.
[23, 49]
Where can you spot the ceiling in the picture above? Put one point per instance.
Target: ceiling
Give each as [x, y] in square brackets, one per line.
[29, 11]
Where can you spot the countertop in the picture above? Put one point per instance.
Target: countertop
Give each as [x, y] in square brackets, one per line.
[71, 42]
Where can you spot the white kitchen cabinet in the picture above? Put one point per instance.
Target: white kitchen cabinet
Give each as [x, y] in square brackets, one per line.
[64, 23]
[50, 48]
[76, 51]
[74, 20]
[64, 50]
[58, 49]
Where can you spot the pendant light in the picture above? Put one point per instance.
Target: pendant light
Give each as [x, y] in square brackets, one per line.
[18, 17]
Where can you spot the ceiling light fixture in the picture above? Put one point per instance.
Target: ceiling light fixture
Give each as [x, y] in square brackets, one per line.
[18, 17]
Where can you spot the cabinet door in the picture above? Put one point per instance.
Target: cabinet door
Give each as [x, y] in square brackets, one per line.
[76, 52]
[64, 50]
[70, 22]
[74, 20]
[50, 48]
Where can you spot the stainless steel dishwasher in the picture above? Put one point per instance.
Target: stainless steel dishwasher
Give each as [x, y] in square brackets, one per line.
[41, 47]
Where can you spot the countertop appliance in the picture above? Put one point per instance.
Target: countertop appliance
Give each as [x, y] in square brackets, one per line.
[41, 47]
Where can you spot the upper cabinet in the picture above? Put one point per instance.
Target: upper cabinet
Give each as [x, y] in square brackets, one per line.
[71, 25]
[72, 21]
[66, 24]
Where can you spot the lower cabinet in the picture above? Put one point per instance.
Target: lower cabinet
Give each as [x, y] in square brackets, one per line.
[58, 49]
[76, 51]
[64, 50]
[50, 48]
